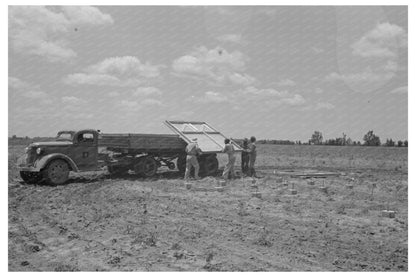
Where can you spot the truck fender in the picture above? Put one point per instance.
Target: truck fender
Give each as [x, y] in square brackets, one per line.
[41, 164]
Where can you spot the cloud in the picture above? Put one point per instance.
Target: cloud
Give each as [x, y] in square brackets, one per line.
[366, 76]
[137, 105]
[319, 106]
[317, 50]
[214, 97]
[216, 66]
[127, 66]
[35, 94]
[271, 95]
[17, 84]
[285, 83]
[20, 88]
[113, 94]
[92, 79]
[382, 42]
[151, 102]
[129, 104]
[324, 106]
[39, 30]
[400, 90]
[295, 100]
[86, 15]
[124, 71]
[264, 92]
[318, 90]
[147, 91]
[234, 38]
[72, 100]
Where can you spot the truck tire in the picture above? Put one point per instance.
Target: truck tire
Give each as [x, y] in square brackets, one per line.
[149, 166]
[56, 172]
[208, 165]
[30, 177]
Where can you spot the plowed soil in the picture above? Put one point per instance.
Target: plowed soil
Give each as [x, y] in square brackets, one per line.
[99, 223]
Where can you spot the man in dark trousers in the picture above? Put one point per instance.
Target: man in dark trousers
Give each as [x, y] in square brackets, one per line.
[252, 155]
[192, 151]
[244, 157]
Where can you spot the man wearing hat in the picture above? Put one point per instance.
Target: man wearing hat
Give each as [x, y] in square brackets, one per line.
[192, 151]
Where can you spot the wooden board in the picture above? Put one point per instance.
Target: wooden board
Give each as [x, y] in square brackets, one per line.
[142, 141]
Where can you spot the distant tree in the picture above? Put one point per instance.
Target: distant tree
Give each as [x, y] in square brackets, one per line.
[370, 139]
[389, 143]
[317, 138]
[400, 143]
[405, 143]
[344, 139]
[14, 137]
[349, 141]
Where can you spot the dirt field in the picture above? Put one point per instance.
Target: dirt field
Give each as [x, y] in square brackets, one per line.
[95, 223]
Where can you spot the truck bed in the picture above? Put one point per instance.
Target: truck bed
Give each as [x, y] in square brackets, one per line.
[158, 143]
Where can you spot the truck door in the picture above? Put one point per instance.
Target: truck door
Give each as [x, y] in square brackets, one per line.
[85, 151]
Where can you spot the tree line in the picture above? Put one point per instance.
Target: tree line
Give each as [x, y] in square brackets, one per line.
[369, 139]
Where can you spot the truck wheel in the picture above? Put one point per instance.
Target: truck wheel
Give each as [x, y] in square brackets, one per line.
[149, 167]
[209, 165]
[56, 172]
[30, 177]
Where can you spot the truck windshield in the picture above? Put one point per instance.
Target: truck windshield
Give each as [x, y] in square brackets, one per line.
[65, 136]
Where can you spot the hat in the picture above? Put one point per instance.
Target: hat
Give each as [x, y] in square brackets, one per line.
[194, 139]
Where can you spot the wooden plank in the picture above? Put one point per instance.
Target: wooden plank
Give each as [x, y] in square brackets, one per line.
[142, 141]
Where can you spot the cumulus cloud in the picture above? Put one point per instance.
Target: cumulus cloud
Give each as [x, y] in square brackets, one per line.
[234, 38]
[318, 90]
[264, 92]
[86, 15]
[151, 102]
[214, 65]
[35, 94]
[129, 104]
[39, 30]
[366, 76]
[382, 41]
[19, 88]
[124, 71]
[127, 66]
[92, 79]
[285, 83]
[295, 100]
[147, 91]
[17, 84]
[400, 90]
[319, 106]
[71, 100]
[324, 106]
[214, 97]
[317, 50]
[137, 105]
[274, 96]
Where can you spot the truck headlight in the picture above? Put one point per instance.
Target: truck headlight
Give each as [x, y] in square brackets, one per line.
[38, 150]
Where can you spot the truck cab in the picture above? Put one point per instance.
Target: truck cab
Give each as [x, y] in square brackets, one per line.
[52, 160]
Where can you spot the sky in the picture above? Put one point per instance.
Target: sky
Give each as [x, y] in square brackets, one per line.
[276, 72]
